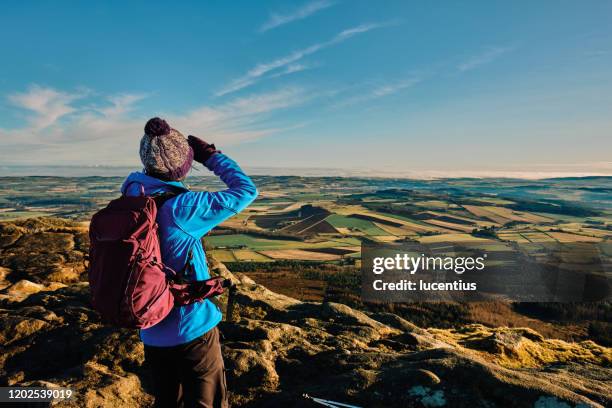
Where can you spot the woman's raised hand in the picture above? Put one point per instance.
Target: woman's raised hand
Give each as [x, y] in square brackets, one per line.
[202, 150]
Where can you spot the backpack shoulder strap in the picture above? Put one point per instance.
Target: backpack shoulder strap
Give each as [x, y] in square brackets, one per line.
[142, 189]
[160, 199]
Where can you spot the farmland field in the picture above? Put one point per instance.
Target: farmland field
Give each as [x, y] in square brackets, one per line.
[247, 255]
[300, 254]
[353, 223]
[325, 219]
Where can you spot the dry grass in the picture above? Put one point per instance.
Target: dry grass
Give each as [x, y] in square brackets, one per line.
[299, 254]
[565, 237]
[397, 231]
[249, 255]
[290, 284]
[525, 347]
[481, 212]
[450, 225]
[498, 314]
[517, 215]
[223, 255]
[455, 237]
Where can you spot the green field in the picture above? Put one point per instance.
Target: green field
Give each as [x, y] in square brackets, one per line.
[365, 226]
[15, 215]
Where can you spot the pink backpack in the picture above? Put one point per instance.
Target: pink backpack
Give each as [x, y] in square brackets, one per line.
[130, 286]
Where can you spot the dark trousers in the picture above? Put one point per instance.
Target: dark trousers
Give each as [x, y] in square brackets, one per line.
[189, 375]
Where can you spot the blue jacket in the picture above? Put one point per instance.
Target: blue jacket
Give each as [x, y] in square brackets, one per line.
[183, 221]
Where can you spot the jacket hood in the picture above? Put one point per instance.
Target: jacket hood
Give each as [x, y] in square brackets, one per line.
[136, 181]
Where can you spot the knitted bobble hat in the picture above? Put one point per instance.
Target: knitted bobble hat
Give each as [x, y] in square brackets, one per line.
[164, 151]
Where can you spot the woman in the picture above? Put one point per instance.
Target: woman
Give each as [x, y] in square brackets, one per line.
[183, 350]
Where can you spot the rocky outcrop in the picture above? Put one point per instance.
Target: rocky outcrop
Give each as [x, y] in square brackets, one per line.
[44, 250]
[278, 348]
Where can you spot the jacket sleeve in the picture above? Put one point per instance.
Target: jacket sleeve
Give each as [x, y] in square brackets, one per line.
[196, 213]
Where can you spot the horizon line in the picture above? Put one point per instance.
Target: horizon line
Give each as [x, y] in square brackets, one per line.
[29, 170]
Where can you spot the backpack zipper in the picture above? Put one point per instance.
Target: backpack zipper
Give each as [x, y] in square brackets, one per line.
[127, 286]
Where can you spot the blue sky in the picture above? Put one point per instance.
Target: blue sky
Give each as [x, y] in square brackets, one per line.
[394, 87]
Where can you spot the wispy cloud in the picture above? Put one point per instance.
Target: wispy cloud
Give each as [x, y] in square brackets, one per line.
[379, 91]
[108, 131]
[262, 70]
[121, 104]
[306, 10]
[239, 113]
[45, 105]
[488, 55]
[293, 68]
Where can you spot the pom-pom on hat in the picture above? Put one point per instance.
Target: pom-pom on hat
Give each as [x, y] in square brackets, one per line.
[157, 127]
[164, 151]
